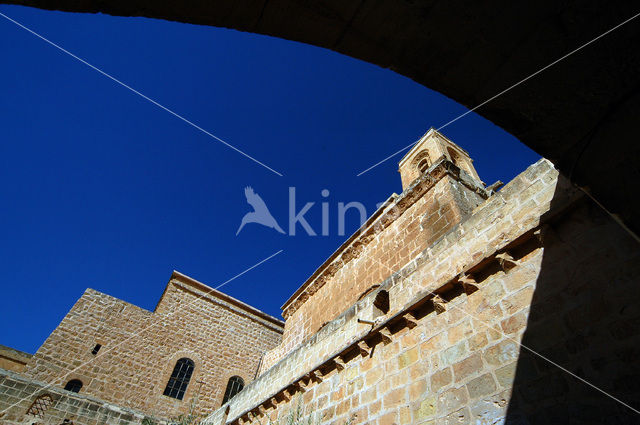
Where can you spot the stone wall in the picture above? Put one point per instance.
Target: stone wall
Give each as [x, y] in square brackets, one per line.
[448, 350]
[139, 348]
[11, 359]
[442, 197]
[25, 401]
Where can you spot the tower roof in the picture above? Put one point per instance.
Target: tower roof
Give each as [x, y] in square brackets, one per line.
[430, 133]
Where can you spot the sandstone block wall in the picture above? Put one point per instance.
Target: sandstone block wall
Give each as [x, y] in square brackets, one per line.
[13, 360]
[409, 224]
[140, 348]
[17, 396]
[517, 270]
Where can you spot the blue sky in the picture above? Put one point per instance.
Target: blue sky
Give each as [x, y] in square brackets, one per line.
[100, 188]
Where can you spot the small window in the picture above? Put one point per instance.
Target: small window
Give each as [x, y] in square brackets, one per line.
[455, 157]
[96, 349]
[179, 380]
[235, 385]
[423, 165]
[381, 303]
[75, 385]
[40, 406]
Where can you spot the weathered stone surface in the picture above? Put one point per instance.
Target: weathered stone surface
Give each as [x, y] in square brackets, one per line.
[501, 353]
[481, 386]
[467, 367]
[506, 374]
[490, 411]
[139, 348]
[26, 401]
[454, 353]
[441, 379]
[452, 399]
[426, 409]
[13, 360]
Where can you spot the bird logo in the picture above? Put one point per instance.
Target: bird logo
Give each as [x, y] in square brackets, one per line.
[260, 213]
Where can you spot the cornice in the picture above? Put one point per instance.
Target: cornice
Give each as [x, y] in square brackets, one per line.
[381, 219]
[208, 292]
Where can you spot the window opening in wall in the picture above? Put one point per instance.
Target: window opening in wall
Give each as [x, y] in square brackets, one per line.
[180, 377]
[235, 385]
[40, 406]
[75, 385]
[381, 303]
[455, 157]
[423, 165]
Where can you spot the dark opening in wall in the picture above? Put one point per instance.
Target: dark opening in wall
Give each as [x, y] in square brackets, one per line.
[423, 165]
[96, 349]
[180, 377]
[75, 385]
[234, 386]
[455, 158]
[381, 303]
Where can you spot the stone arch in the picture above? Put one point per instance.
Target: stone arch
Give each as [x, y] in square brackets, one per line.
[422, 161]
[40, 405]
[228, 375]
[167, 369]
[85, 380]
[454, 156]
[446, 49]
[235, 384]
[180, 379]
[461, 161]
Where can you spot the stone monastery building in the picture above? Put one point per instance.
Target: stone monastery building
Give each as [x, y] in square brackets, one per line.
[454, 303]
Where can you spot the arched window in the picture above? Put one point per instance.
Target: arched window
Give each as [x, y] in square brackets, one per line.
[381, 303]
[460, 161]
[422, 161]
[235, 385]
[74, 385]
[40, 405]
[423, 165]
[179, 379]
[455, 157]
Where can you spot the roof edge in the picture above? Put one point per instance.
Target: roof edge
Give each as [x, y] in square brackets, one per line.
[183, 278]
[421, 139]
[340, 249]
[15, 351]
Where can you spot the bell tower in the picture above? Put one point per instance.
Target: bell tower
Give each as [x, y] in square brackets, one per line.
[432, 148]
